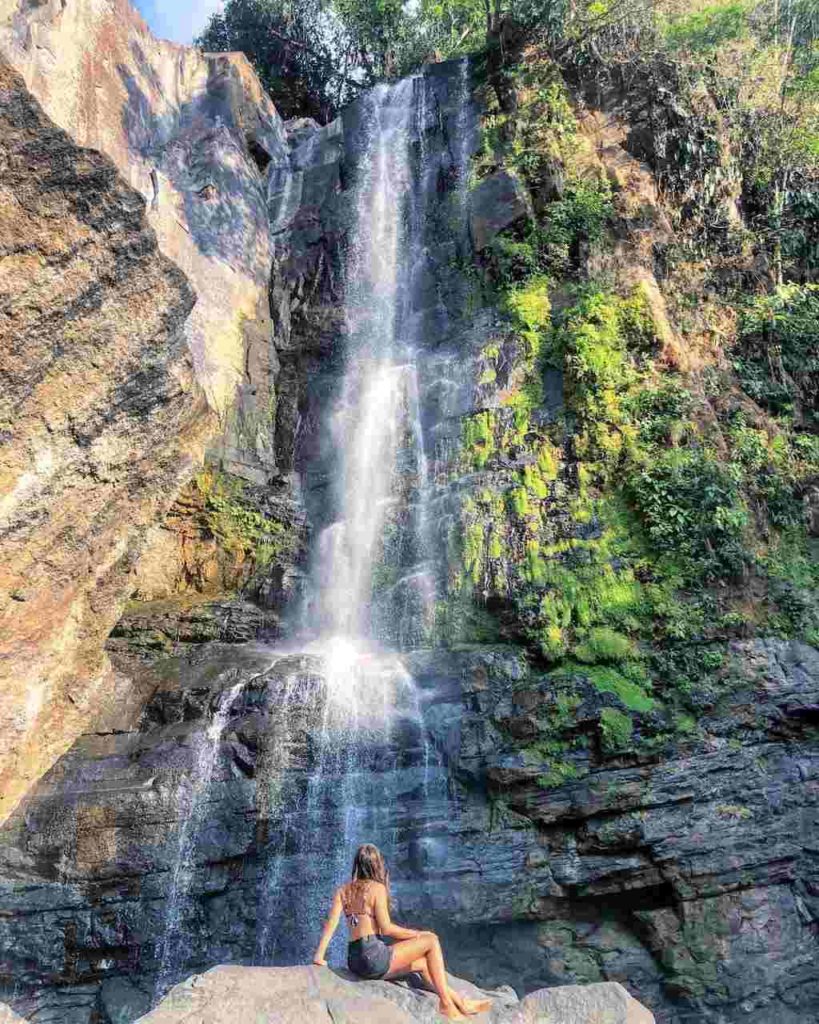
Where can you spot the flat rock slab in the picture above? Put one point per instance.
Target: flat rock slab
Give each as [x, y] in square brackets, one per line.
[8, 1016]
[310, 995]
[582, 1004]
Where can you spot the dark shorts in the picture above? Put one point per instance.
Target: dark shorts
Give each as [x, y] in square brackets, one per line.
[369, 957]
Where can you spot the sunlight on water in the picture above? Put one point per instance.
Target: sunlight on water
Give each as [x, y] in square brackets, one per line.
[346, 756]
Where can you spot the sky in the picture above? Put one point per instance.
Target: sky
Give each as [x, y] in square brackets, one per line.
[179, 20]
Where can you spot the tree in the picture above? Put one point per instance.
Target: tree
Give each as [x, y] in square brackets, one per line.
[299, 48]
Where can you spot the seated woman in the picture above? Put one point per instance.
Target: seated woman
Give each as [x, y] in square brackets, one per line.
[364, 900]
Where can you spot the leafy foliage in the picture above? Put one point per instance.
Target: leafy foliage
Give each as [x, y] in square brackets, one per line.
[297, 47]
[691, 508]
[778, 351]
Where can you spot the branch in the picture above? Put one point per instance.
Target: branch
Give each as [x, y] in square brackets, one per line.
[326, 61]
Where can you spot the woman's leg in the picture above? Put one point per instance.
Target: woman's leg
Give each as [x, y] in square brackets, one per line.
[426, 946]
[468, 1006]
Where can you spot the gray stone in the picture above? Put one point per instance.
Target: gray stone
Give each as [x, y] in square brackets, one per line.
[497, 202]
[309, 995]
[583, 1004]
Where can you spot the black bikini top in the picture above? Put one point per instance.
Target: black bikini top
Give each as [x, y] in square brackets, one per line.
[353, 916]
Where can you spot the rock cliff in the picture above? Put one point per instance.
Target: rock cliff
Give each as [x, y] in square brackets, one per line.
[102, 420]
[141, 336]
[602, 766]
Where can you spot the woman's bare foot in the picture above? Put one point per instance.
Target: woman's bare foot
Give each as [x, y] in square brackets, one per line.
[473, 1006]
[450, 1011]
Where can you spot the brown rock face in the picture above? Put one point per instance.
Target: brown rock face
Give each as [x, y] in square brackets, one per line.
[101, 421]
[193, 133]
[136, 334]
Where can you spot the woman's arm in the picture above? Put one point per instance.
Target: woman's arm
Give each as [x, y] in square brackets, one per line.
[383, 921]
[330, 926]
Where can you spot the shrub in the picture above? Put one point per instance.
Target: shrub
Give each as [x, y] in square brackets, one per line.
[692, 510]
[616, 729]
[604, 645]
[778, 351]
[232, 518]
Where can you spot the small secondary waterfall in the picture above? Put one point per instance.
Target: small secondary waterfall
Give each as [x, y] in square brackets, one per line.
[172, 947]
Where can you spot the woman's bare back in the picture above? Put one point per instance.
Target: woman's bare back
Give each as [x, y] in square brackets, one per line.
[359, 902]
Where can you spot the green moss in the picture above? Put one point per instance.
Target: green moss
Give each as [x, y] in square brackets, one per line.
[239, 526]
[630, 690]
[531, 312]
[558, 774]
[534, 569]
[474, 550]
[495, 549]
[603, 644]
[519, 501]
[535, 483]
[736, 811]
[479, 438]
[616, 729]
[548, 461]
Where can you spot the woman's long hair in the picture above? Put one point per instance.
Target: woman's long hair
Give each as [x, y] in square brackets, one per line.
[369, 866]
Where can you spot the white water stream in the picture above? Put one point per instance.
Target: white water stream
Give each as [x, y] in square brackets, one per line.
[367, 594]
[173, 943]
[348, 740]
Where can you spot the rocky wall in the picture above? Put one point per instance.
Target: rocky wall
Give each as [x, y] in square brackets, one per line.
[194, 137]
[102, 420]
[689, 878]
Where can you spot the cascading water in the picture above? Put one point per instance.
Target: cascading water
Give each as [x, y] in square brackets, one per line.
[172, 947]
[345, 756]
[373, 587]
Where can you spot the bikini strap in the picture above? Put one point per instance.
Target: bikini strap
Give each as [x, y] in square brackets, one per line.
[346, 902]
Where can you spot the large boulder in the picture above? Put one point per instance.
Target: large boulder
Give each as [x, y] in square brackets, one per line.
[309, 995]
[583, 1004]
[497, 202]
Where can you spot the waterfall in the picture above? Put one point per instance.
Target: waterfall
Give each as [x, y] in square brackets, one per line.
[367, 421]
[173, 945]
[372, 585]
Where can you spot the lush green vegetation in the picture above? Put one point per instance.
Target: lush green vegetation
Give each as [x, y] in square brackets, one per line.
[630, 538]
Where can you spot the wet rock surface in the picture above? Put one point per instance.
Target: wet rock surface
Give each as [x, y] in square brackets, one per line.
[675, 875]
